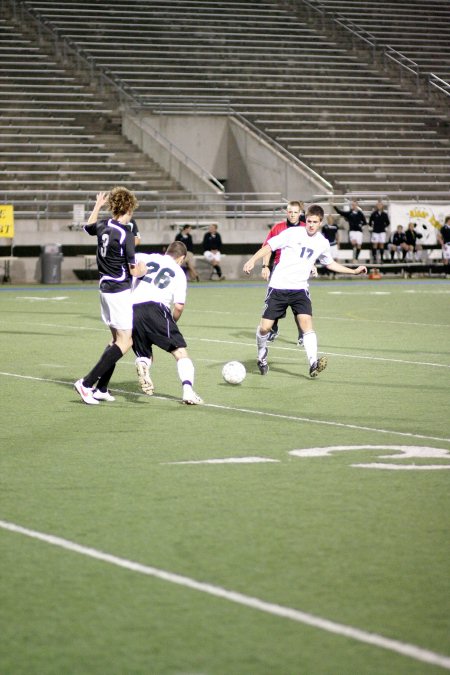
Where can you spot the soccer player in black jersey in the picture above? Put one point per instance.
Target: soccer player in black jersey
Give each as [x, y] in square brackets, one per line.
[116, 265]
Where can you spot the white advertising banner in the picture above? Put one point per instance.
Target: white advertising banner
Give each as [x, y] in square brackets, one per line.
[428, 218]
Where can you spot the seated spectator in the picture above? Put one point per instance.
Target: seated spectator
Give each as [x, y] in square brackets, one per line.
[189, 263]
[414, 247]
[212, 245]
[398, 245]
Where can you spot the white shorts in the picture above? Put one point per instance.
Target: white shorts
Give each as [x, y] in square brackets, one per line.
[117, 309]
[378, 238]
[355, 236]
[446, 251]
[212, 256]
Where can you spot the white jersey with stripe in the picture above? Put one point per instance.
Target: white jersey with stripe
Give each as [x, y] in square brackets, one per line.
[299, 252]
[165, 281]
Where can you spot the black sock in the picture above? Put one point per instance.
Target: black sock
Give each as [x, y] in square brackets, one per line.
[218, 270]
[107, 360]
[103, 382]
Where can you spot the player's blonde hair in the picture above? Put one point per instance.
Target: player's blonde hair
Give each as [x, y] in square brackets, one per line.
[121, 201]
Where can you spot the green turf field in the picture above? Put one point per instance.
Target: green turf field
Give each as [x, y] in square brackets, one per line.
[126, 550]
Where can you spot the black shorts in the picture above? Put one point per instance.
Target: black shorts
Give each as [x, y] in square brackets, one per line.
[277, 302]
[153, 325]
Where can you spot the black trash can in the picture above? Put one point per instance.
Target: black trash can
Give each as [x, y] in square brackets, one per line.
[51, 260]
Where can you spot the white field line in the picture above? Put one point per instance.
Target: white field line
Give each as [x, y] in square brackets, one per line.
[251, 345]
[248, 411]
[349, 632]
[344, 356]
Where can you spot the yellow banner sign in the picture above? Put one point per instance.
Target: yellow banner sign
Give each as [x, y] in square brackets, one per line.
[7, 220]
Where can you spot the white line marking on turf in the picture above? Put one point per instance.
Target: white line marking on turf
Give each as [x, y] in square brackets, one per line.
[248, 411]
[36, 298]
[404, 467]
[227, 460]
[409, 650]
[344, 356]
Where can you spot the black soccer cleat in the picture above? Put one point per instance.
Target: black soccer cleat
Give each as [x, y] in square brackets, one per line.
[273, 334]
[263, 367]
[318, 366]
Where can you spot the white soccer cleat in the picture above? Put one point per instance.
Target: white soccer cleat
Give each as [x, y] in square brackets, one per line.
[86, 393]
[191, 398]
[143, 371]
[103, 396]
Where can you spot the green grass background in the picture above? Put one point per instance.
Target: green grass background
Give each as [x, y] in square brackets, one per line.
[367, 548]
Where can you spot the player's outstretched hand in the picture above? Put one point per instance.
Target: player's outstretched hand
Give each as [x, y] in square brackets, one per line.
[249, 265]
[362, 269]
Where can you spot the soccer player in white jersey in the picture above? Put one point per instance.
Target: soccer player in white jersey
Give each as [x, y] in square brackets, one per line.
[288, 287]
[155, 322]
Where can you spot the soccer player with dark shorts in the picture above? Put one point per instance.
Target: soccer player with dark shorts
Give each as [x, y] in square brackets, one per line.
[288, 286]
[295, 218]
[117, 266]
[162, 287]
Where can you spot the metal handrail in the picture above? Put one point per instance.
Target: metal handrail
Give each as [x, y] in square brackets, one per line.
[357, 32]
[404, 62]
[439, 83]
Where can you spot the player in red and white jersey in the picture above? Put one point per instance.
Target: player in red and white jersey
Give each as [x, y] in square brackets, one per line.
[158, 302]
[288, 286]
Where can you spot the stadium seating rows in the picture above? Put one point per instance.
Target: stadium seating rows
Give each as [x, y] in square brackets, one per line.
[310, 93]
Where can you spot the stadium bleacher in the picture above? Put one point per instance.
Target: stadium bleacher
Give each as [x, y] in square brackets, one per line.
[65, 85]
[310, 93]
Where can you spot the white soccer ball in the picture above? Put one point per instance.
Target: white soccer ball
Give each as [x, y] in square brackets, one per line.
[234, 372]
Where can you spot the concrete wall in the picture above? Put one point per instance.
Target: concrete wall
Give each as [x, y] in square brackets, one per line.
[229, 150]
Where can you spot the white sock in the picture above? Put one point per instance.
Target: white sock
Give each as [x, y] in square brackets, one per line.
[310, 345]
[186, 371]
[261, 343]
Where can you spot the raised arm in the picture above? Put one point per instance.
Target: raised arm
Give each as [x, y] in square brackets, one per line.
[102, 198]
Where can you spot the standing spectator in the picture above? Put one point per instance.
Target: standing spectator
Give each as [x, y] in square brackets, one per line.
[414, 247]
[288, 286]
[185, 237]
[212, 246]
[444, 241]
[117, 265]
[135, 230]
[356, 220]
[154, 320]
[379, 223]
[330, 230]
[398, 244]
[295, 218]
